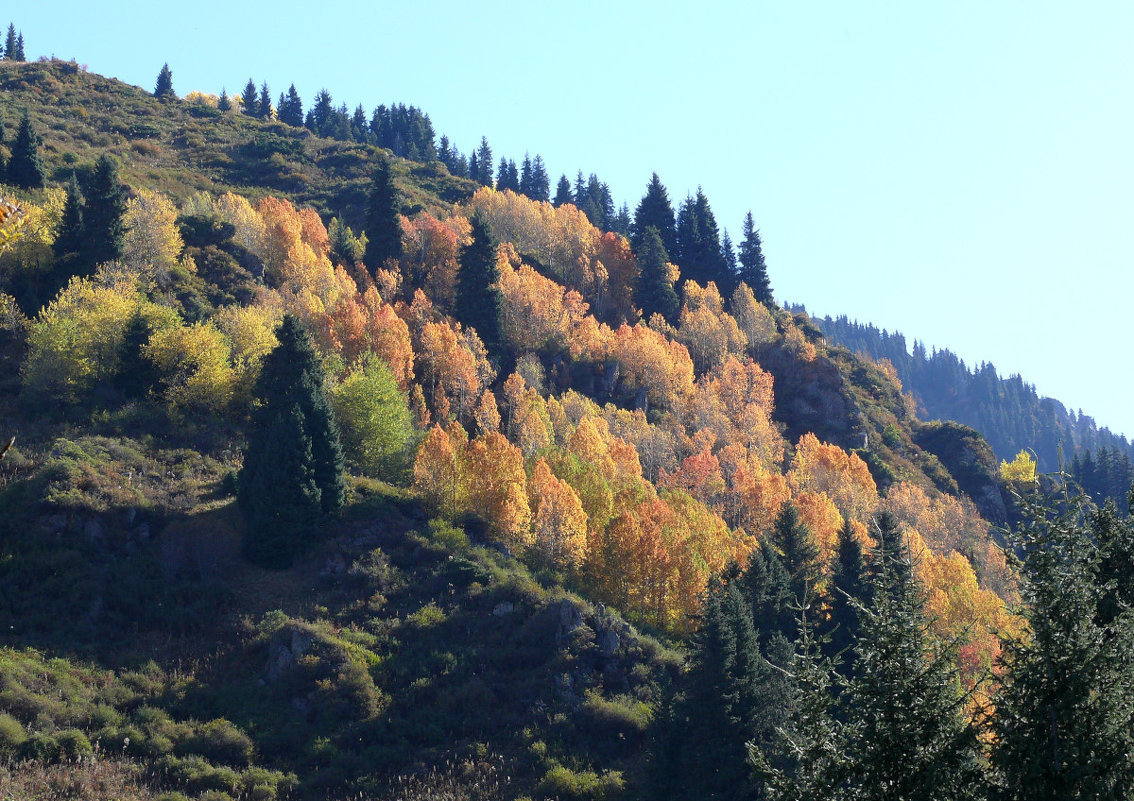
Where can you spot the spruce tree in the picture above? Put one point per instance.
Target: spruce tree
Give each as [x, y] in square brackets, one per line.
[728, 253]
[1114, 537]
[909, 737]
[25, 167]
[705, 754]
[847, 593]
[654, 210]
[767, 587]
[799, 552]
[290, 111]
[484, 163]
[224, 104]
[264, 105]
[11, 45]
[293, 469]
[383, 228]
[654, 293]
[164, 88]
[537, 185]
[753, 271]
[250, 99]
[104, 227]
[479, 303]
[562, 192]
[71, 237]
[1063, 723]
[20, 48]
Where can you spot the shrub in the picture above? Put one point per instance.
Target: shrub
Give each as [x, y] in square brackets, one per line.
[564, 783]
[12, 732]
[219, 741]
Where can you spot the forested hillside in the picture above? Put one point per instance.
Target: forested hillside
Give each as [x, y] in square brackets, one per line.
[346, 466]
[1007, 411]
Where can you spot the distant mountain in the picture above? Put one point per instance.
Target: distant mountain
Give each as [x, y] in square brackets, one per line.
[1009, 412]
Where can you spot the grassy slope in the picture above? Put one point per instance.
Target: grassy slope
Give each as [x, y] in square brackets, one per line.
[397, 662]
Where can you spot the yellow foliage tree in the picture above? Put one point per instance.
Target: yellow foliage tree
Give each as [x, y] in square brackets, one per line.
[560, 522]
[152, 243]
[194, 364]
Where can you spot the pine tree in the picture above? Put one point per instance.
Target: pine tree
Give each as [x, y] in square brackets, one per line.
[654, 210]
[1063, 724]
[383, 227]
[293, 470]
[562, 192]
[103, 225]
[479, 303]
[1114, 537]
[25, 167]
[767, 587]
[20, 48]
[699, 245]
[224, 104]
[909, 737]
[164, 88]
[11, 44]
[474, 167]
[507, 177]
[249, 97]
[753, 271]
[654, 293]
[264, 106]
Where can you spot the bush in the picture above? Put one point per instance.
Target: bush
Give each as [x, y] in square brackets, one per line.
[12, 732]
[564, 783]
[219, 741]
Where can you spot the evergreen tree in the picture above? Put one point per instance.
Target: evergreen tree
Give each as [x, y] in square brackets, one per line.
[11, 45]
[25, 167]
[322, 113]
[699, 245]
[526, 176]
[807, 761]
[103, 224]
[278, 497]
[728, 253]
[383, 228]
[507, 176]
[290, 111]
[293, 469]
[909, 737]
[562, 192]
[484, 163]
[164, 88]
[847, 593]
[767, 586]
[622, 222]
[249, 99]
[540, 185]
[753, 271]
[1114, 537]
[474, 167]
[654, 293]
[800, 554]
[705, 755]
[654, 210]
[1063, 726]
[479, 303]
[359, 128]
[264, 105]
[346, 248]
[70, 239]
[224, 104]
[20, 48]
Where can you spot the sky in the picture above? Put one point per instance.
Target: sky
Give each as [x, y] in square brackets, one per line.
[959, 171]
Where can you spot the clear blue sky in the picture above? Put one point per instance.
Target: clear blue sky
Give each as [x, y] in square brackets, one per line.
[959, 171]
